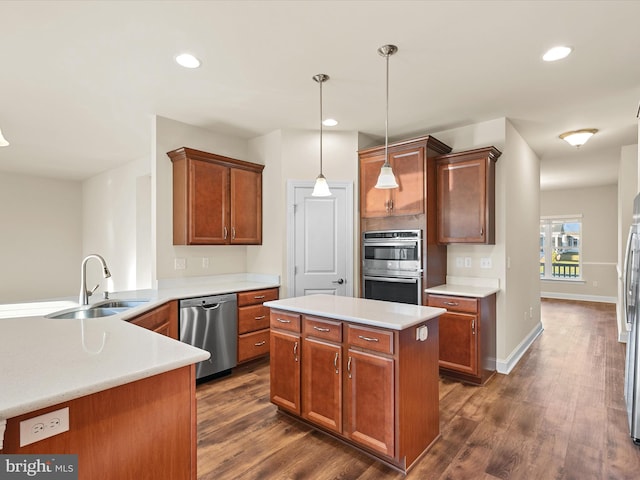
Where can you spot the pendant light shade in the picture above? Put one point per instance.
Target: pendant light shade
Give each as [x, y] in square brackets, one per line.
[387, 179]
[3, 141]
[321, 188]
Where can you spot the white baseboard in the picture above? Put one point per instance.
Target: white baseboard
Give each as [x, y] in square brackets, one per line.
[505, 366]
[583, 298]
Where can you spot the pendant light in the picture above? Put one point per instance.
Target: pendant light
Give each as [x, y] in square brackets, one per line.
[321, 188]
[387, 179]
[3, 142]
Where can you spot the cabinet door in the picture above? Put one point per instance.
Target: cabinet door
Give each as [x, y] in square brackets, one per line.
[322, 384]
[285, 371]
[208, 203]
[162, 320]
[408, 167]
[246, 207]
[462, 202]
[374, 202]
[370, 401]
[459, 342]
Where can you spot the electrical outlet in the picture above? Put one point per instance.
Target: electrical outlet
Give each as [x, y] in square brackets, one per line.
[459, 262]
[467, 262]
[485, 262]
[44, 426]
[205, 262]
[180, 263]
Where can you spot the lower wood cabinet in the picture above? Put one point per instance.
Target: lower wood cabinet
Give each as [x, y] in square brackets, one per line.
[467, 337]
[253, 323]
[375, 388]
[162, 319]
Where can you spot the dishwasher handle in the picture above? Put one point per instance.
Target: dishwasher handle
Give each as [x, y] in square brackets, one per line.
[210, 306]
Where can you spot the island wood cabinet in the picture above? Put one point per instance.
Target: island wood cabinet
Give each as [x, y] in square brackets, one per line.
[217, 200]
[374, 388]
[253, 323]
[285, 361]
[466, 196]
[408, 161]
[467, 337]
[162, 319]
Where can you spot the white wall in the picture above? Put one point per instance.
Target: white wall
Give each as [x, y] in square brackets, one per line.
[41, 240]
[223, 259]
[116, 224]
[599, 209]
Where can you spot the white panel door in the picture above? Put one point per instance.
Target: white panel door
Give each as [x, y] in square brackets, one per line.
[322, 250]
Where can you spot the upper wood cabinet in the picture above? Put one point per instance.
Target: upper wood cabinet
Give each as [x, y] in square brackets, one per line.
[466, 196]
[408, 161]
[216, 200]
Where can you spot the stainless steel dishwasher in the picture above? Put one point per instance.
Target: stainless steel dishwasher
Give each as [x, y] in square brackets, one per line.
[211, 323]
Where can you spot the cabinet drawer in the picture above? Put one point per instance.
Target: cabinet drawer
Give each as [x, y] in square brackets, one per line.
[322, 328]
[370, 338]
[163, 319]
[285, 320]
[252, 345]
[257, 296]
[458, 304]
[252, 318]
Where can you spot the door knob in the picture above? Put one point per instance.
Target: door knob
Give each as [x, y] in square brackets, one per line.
[340, 281]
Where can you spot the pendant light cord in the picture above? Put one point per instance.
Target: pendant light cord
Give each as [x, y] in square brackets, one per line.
[320, 82]
[386, 121]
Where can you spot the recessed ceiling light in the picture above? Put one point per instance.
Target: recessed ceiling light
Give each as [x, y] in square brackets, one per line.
[329, 122]
[3, 142]
[556, 53]
[577, 138]
[187, 60]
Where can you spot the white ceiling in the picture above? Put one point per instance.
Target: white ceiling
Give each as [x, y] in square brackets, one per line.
[80, 80]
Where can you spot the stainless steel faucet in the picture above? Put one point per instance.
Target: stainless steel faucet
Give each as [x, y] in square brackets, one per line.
[84, 293]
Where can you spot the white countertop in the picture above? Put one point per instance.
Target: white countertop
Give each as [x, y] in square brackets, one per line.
[47, 361]
[396, 316]
[463, 290]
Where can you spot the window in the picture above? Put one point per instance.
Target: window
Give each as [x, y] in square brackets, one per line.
[561, 248]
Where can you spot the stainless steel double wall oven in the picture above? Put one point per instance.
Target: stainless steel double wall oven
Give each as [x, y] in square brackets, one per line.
[392, 265]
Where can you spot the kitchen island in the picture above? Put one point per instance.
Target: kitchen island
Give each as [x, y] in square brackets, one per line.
[363, 371]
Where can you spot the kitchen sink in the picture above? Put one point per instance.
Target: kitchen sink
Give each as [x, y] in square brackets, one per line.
[101, 309]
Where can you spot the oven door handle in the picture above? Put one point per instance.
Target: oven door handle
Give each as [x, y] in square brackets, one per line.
[390, 244]
[392, 279]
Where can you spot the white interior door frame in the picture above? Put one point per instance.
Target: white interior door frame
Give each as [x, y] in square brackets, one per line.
[291, 186]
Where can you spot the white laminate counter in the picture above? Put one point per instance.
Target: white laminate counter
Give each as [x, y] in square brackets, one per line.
[48, 361]
[463, 290]
[396, 316]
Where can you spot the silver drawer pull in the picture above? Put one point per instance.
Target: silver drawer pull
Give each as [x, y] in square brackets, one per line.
[260, 317]
[452, 304]
[282, 320]
[320, 329]
[259, 297]
[368, 339]
[259, 344]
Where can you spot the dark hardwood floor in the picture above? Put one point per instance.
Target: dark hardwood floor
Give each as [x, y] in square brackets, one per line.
[559, 415]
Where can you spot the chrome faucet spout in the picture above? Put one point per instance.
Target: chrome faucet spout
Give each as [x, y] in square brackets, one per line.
[84, 292]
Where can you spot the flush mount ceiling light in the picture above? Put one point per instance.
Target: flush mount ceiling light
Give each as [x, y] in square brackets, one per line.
[386, 178]
[329, 122]
[321, 188]
[3, 141]
[556, 53]
[577, 138]
[187, 60]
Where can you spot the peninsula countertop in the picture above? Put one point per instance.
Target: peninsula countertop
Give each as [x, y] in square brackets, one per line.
[395, 316]
[46, 361]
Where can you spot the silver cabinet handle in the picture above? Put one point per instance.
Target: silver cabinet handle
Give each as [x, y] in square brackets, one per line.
[295, 351]
[340, 281]
[258, 297]
[473, 326]
[349, 368]
[225, 233]
[282, 320]
[259, 344]
[335, 362]
[368, 339]
[260, 317]
[451, 304]
[320, 329]
[233, 233]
